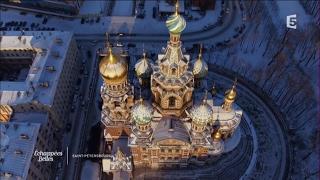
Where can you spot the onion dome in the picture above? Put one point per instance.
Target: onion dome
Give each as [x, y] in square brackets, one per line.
[202, 114]
[142, 113]
[216, 136]
[113, 68]
[200, 68]
[176, 23]
[143, 67]
[231, 94]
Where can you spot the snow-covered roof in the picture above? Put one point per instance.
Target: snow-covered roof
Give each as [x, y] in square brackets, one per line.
[30, 117]
[50, 51]
[170, 128]
[18, 141]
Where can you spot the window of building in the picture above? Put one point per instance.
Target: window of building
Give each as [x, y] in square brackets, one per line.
[172, 101]
[174, 71]
[154, 152]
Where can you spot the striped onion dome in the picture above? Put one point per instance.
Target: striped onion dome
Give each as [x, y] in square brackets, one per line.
[200, 67]
[142, 113]
[143, 67]
[176, 23]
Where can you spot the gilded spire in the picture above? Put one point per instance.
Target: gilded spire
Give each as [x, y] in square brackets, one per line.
[119, 155]
[143, 67]
[214, 90]
[200, 52]
[200, 67]
[112, 59]
[231, 94]
[230, 97]
[177, 8]
[176, 23]
[205, 97]
[107, 41]
[216, 136]
[111, 67]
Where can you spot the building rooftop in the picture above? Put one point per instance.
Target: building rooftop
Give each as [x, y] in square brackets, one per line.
[166, 7]
[170, 128]
[18, 141]
[41, 83]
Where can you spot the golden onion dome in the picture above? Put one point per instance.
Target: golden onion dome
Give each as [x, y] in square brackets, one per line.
[176, 23]
[200, 67]
[216, 136]
[231, 94]
[113, 68]
[142, 113]
[201, 114]
[143, 67]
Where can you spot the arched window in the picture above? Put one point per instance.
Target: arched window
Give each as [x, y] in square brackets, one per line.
[174, 71]
[172, 101]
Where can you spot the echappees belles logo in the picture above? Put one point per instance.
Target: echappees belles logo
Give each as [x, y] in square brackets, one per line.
[46, 156]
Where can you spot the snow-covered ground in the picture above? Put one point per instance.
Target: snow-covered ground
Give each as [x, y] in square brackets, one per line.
[90, 171]
[123, 8]
[121, 21]
[92, 7]
[283, 65]
[290, 7]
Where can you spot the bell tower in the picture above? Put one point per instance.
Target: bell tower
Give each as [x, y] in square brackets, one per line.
[116, 93]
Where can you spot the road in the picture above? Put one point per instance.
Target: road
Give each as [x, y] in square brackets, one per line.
[81, 123]
[229, 19]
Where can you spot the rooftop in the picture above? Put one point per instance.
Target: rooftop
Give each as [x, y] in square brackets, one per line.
[166, 7]
[18, 141]
[41, 83]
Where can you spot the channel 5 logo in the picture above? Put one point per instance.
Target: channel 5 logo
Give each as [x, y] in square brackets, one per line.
[292, 21]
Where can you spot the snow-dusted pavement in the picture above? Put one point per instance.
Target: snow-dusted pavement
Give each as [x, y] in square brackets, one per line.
[123, 8]
[146, 30]
[92, 7]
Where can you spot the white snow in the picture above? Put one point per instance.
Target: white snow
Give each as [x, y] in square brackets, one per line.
[123, 8]
[291, 7]
[92, 7]
[43, 43]
[121, 21]
[90, 170]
